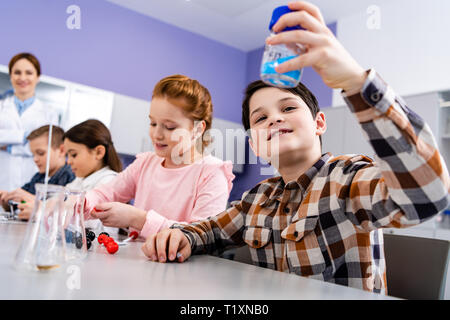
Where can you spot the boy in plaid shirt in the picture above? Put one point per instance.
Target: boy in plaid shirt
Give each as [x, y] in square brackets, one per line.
[323, 217]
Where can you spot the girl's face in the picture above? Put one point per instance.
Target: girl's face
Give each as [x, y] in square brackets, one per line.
[24, 78]
[171, 130]
[82, 160]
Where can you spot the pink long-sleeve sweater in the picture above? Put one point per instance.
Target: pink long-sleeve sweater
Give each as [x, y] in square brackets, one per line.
[184, 194]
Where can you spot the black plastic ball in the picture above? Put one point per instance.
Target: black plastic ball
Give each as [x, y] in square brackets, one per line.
[90, 235]
[79, 242]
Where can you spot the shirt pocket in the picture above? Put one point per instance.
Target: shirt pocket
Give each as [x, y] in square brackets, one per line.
[306, 252]
[259, 240]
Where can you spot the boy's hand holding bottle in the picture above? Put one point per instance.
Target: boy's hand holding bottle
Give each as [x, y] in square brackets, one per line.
[325, 54]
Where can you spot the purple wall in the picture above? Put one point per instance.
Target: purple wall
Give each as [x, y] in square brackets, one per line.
[120, 50]
[125, 52]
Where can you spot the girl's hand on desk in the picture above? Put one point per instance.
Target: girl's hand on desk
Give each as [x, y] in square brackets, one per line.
[119, 215]
[169, 241]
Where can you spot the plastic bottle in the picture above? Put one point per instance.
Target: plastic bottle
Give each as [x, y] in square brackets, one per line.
[275, 55]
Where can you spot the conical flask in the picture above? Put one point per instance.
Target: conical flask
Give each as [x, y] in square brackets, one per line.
[73, 225]
[43, 246]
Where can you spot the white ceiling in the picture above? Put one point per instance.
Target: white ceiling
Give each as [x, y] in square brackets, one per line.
[241, 24]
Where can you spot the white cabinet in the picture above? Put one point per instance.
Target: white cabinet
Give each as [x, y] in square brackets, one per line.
[344, 134]
[130, 125]
[73, 102]
[87, 103]
[228, 142]
[333, 138]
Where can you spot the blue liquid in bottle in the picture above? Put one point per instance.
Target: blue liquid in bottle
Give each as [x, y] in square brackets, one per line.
[283, 80]
[275, 55]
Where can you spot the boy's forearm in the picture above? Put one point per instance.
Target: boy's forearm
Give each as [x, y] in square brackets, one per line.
[214, 234]
[200, 235]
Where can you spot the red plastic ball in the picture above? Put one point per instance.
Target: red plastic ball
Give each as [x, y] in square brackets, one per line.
[107, 240]
[134, 234]
[101, 238]
[112, 247]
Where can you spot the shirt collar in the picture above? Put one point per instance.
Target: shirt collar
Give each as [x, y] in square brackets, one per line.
[305, 179]
[23, 105]
[301, 183]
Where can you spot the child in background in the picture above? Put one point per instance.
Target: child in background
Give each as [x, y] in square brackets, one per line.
[323, 217]
[177, 182]
[93, 159]
[59, 172]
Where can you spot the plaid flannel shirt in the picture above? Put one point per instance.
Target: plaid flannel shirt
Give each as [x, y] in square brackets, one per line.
[327, 224]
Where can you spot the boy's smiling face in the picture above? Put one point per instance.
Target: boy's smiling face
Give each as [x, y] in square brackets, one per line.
[282, 123]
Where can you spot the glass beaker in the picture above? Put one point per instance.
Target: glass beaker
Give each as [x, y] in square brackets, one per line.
[43, 246]
[73, 225]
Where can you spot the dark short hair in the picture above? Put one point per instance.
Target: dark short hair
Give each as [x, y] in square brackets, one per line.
[28, 56]
[57, 135]
[300, 90]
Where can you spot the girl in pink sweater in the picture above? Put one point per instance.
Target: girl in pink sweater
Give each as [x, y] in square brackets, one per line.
[177, 182]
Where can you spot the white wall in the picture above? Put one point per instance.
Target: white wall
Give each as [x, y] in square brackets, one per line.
[411, 50]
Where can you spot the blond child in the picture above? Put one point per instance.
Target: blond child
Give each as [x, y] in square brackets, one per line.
[59, 172]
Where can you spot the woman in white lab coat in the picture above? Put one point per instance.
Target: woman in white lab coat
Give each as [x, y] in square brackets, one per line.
[21, 113]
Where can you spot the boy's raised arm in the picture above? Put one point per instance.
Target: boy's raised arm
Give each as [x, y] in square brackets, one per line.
[414, 180]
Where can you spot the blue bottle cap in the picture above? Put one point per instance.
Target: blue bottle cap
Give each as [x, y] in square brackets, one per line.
[277, 13]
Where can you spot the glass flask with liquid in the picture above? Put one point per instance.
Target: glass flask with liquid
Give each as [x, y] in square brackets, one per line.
[43, 246]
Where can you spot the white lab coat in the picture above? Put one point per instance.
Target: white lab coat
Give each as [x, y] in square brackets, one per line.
[17, 168]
